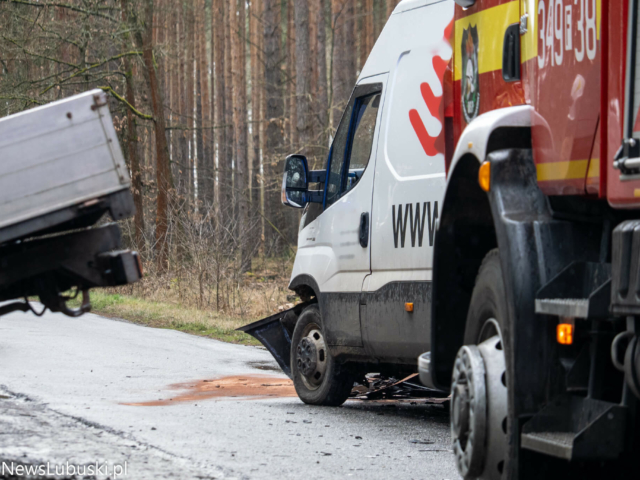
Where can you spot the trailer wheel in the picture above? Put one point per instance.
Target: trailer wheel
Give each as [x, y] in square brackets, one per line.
[317, 377]
[480, 419]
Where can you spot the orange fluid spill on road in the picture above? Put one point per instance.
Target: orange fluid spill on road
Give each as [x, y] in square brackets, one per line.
[244, 387]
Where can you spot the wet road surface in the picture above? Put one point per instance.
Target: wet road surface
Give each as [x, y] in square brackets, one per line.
[173, 405]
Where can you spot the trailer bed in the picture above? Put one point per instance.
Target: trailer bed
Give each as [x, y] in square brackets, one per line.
[61, 166]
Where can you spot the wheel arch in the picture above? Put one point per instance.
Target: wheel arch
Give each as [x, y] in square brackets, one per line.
[469, 227]
[465, 234]
[305, 286]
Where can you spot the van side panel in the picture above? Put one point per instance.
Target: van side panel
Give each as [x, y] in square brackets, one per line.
[392, 333]
[409, 184]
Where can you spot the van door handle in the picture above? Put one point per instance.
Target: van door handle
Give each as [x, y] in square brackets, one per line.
[364, 229]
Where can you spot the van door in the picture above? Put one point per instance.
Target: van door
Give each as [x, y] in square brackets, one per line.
[408, 190]
[334, 248]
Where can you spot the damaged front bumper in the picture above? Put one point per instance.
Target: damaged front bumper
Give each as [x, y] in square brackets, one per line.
[275, 334]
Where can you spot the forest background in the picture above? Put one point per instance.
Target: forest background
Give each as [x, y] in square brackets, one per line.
[208, 97]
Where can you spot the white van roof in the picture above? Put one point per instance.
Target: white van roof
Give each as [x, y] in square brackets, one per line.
[410, 27]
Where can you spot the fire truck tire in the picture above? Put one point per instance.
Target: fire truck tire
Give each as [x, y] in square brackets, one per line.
[480, 418]
[317, 377]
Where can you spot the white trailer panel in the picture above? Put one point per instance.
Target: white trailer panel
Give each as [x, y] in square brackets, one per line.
[57, 156]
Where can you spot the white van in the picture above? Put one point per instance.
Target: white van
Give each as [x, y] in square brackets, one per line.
[365, 244]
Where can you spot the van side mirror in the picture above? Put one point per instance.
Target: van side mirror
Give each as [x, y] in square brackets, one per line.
[295, 181]
[465, 3]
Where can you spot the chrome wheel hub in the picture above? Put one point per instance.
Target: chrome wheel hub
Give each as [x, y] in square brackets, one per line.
[311, 357]
[307, 357]
[479, 410]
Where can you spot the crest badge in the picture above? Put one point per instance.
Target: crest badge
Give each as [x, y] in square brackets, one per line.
[470, 74]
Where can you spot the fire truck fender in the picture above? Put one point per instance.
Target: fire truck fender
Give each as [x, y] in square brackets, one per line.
[497, 129]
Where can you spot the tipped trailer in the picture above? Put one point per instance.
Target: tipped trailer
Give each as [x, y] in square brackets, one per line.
[480, 211]
[61, 171]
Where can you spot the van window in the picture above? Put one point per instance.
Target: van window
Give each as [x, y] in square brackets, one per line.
[362, 138]
[337, 157]
[351, 149]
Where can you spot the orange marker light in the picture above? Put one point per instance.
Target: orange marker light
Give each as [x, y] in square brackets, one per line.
[408, 307]
[484, 176]
[565, 334]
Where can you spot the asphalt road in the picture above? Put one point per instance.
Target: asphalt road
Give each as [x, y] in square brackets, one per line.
[165, 404]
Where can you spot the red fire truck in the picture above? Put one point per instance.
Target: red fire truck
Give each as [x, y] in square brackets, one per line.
[513, 128]
[536, 281]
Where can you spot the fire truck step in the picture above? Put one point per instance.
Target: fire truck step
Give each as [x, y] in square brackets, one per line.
[577, 428]
[581, 290]
[564, 307]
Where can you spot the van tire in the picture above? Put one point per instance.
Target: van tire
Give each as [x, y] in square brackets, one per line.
[322, 381]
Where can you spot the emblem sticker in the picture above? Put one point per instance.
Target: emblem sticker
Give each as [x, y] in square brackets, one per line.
[470, 75]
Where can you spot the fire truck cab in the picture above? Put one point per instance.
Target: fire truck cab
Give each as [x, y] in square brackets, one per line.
[480, 209]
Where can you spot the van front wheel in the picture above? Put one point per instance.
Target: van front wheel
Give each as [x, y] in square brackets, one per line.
[317, 377]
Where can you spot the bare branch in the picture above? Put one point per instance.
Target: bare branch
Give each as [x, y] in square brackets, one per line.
[96, 13]
[90, 67]
[120, 98]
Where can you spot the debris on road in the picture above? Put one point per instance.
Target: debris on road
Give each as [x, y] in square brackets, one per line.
[376, 387]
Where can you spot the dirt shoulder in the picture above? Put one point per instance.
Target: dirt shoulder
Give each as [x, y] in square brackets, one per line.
[170, 315]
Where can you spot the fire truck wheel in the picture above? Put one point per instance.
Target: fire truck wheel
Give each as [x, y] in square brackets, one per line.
[317, 377]
[480, 420]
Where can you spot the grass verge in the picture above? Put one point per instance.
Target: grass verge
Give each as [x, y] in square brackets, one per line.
[172, 316]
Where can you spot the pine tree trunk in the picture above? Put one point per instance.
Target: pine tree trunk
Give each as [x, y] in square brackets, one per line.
[200, 88]
[163, 172]
[294, 145]
[224, 192]
[173, 82]
[350, 42]
[205, 166]
[191, 108]
[182, 158]
[208, 79]
[313, 52]
[237, 26]
[273, 116]
[132, 142]
[340, 68]
[229, 155]
[321, 60]
[303, 76]
[391, 5]
[367, 37]
[256, 118]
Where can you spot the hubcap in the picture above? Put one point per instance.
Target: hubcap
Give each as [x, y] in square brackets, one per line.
[479, 410]
[311, 357]
[307, 357]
